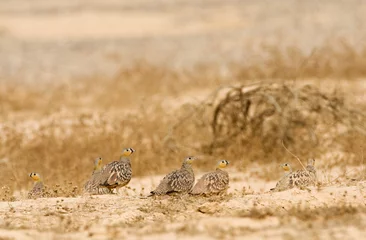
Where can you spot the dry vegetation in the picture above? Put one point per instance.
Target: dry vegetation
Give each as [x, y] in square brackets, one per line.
[148, 108]
[312, 103]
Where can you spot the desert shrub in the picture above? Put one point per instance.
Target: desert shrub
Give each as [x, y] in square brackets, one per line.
[259, 120]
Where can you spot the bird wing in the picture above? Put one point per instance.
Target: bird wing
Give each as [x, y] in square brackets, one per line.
[200, 186]
[117, 173]
[282, 184]
[181, 181]
[36, 191]
[93, 186]
[165, 184]
[301, 178]
[176, 181]
[217, 181]
[213, 182]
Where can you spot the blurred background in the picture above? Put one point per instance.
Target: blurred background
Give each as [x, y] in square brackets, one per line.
[82, 79]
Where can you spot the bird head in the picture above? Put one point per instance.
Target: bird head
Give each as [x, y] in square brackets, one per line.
[286, 167]
[222, 163]
[35, 176]
[98, 163]
[311, 161]
[189, 159]
[127, 152]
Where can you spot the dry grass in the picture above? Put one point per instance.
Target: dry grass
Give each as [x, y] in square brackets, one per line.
[58, 129]
[143, 82]
[336, 58]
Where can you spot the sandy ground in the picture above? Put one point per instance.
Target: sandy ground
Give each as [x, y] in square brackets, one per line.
[248, 211]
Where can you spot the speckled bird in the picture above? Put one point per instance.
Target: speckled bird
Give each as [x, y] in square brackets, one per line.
[117, 173]
[282, 184]
[178, 181]
[92, 186]
[300, 178]
[214, 182]
[37, 190]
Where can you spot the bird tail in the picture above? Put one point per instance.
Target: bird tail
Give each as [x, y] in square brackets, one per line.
[152, 193]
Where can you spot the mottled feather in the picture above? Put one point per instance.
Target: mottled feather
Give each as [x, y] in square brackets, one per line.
[37, 190]
[213, 182]
[117, 173]
[178, 181]
[92, 186]
[300, 178]
[282, 184]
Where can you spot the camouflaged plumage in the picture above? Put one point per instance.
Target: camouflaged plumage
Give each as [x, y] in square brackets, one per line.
[178, 181]
[92, 186]
[37, 190]
[118, 173]
[300, 178]
[214, 182]
[282, 184]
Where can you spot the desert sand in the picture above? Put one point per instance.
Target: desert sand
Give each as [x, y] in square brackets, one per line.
[248, 211]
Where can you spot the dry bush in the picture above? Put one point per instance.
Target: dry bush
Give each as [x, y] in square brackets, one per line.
[257, 121]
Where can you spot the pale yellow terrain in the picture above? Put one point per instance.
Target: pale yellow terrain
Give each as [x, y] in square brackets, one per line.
[332, 212]
[85, 79]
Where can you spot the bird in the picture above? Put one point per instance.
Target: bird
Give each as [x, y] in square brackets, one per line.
[213, 182]
[282, 184]
[177, 181]
[92, 185]
[301, 178]
[37, 190]
[117, 174]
